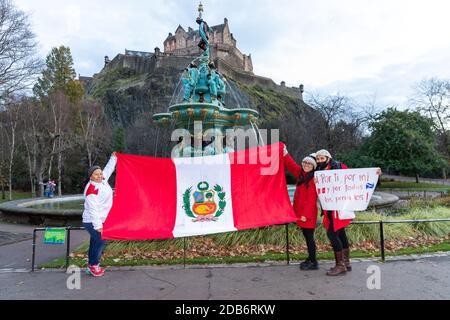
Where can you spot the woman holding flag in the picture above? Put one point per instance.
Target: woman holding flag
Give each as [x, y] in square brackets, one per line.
[305, 203]
[98, 196]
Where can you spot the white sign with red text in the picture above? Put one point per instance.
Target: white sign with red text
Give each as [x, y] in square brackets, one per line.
[347, 190]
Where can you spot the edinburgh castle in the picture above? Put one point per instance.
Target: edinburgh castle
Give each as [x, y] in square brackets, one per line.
[181, 47]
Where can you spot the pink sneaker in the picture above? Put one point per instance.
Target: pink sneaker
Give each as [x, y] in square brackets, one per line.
[96, 271]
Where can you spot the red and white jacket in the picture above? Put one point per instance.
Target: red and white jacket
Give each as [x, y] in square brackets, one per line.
[98, 197]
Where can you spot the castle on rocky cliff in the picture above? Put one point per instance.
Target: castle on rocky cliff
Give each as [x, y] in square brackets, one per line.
[221, 41]
[181, 47]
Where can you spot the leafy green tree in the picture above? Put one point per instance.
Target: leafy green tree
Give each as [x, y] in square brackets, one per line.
[59, 76]
[403, 142]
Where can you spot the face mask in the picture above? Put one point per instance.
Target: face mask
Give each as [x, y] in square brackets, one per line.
[321, 165]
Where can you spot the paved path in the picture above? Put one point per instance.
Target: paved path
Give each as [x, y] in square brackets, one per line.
[17, 255]
[424, 278]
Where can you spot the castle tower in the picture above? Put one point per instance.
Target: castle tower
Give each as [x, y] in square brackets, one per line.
[223, 46]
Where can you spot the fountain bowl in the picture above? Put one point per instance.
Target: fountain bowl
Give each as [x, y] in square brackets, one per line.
[52, 212]
[67, 210]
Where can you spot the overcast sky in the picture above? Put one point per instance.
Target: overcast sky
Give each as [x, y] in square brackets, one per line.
[366, 49]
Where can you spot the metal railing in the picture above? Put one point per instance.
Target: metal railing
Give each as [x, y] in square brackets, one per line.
[68, 229]
[381, 224]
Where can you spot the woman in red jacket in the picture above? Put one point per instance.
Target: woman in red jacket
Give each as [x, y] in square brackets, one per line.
[305, 204]
[334, 225]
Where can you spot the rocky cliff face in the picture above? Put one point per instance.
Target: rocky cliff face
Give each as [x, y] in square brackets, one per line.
[131, 98]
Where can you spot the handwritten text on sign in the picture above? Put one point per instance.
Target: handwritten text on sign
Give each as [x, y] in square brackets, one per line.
[349, 189]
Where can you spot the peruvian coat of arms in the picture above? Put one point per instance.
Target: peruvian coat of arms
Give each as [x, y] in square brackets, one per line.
[205, 207]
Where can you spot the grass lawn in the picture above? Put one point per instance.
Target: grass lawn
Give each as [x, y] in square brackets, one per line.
[17, 195]
[60, 263]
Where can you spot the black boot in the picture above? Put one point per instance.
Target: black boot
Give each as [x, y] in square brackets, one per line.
[304, 264]
[309, 265]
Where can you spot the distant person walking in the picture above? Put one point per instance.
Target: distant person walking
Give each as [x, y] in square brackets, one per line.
[305, 204]
[98, 196]
[49, 190]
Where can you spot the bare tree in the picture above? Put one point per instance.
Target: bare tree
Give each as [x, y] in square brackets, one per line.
[30, 118]
[3, 155]
[432, 99]
[39, 138]
[9, 123]
[18, 64]
[91, 123]
[60, 111]
[334, 109]
[13, 117]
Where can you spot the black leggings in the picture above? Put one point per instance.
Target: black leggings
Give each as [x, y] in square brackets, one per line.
[310, 243]
[338, 238]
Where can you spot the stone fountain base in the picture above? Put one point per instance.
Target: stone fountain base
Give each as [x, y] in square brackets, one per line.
[22, 211]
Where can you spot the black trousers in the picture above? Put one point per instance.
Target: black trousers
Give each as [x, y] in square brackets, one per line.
[338, 238]
[310, 243]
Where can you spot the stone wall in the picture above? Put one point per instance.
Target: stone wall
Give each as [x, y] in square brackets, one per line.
[139, 64]
[176, 62]
[251, 79]
[227, 62]
[143, 65]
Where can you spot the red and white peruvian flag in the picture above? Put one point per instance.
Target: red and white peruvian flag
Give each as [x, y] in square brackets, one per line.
[159, 198]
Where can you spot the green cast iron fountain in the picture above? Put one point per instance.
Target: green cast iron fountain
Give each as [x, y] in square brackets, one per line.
[204, 97]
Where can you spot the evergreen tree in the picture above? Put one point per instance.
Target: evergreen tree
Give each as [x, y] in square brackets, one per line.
[59, 76]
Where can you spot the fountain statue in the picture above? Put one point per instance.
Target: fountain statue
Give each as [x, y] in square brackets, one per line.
[204, 101]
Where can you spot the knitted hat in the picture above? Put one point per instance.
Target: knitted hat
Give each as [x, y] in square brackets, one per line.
[323, 152]
[92, 169]
[310, 160]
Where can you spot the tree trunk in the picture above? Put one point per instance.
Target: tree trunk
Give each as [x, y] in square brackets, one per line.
[40, 177]
[50, 162]
[417, 178]
[89, 159]
[30, 168]
[40, 182]
[60, 172]
[11, 160]
[10, 187]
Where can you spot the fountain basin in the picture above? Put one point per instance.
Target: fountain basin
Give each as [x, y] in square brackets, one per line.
[211, 115]
[67, 210]
[60, 211]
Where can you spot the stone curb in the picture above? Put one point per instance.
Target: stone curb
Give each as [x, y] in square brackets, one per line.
[413, 257]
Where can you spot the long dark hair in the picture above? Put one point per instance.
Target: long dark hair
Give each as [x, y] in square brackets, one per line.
[305, 178]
